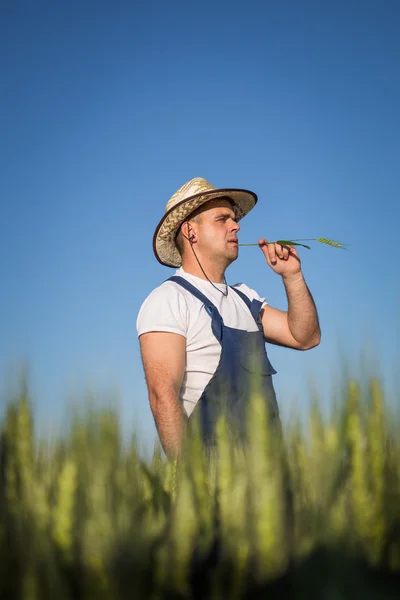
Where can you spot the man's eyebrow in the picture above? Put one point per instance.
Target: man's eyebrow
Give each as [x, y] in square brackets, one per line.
[226, 215]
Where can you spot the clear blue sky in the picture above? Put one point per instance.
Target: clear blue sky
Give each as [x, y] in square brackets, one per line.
[108, 108]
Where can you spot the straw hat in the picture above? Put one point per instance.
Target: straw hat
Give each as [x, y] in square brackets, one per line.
[187, 199]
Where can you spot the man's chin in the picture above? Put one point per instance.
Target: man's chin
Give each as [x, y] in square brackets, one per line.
[232, 256]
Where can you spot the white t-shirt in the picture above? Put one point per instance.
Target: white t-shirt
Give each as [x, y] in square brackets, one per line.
[170, 307]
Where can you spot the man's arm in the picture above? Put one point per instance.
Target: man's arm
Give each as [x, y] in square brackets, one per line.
[163, 356]
[298, 327]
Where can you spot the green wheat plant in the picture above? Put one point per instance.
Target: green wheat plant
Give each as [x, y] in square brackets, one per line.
[297, 242]
[309, 508]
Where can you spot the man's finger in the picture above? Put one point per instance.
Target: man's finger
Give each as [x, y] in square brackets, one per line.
[279, 250]
[285, 252]
[272, 253]
[269, 250]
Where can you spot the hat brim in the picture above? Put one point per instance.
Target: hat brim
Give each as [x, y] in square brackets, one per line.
[164, 246]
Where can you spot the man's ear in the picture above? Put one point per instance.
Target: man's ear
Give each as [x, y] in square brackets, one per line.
[185, 229]
[188, 232]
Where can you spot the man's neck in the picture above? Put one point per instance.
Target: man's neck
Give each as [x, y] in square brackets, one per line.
[214, 274]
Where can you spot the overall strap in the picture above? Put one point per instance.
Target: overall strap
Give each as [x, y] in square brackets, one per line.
[211, 309]
[253, 305]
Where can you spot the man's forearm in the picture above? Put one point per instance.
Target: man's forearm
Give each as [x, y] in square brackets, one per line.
[302, 312]
[170, 421]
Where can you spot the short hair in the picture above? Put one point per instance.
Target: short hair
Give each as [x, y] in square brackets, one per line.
[179, 241]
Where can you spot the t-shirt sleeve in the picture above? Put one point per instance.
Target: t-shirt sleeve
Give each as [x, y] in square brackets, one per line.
[165, 309]
[250, 293]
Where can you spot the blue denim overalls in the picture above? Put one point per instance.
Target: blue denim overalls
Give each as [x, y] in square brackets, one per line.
[244, 368]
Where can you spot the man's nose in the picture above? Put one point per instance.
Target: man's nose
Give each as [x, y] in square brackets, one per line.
[236, 226]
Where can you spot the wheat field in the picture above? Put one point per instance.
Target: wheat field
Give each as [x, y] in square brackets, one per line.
[311, 513]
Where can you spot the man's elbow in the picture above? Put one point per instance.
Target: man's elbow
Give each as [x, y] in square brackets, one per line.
[163, 400]
[312, 342]
[157, 401]
[153, 401]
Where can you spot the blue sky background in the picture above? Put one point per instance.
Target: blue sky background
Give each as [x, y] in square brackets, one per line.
[108, 108]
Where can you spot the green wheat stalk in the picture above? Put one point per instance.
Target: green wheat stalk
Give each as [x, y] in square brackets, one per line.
[297, 243]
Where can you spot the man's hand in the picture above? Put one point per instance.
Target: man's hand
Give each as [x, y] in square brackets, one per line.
[298, 327]
[282, 259]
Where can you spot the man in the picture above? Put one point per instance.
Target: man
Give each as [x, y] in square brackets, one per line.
[203, 342]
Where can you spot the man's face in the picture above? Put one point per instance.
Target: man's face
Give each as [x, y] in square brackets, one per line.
[216, 232]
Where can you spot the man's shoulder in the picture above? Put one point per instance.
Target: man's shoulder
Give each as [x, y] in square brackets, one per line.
[164, 309]
[166, 290]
